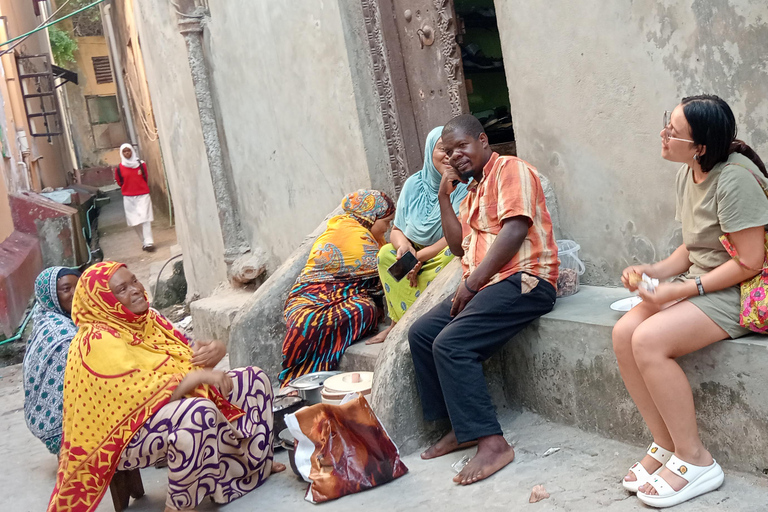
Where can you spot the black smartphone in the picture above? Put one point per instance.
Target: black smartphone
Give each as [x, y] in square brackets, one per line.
[401, 267]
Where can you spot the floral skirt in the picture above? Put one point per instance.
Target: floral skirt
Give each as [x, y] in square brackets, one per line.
[400, 294]
[206, 454]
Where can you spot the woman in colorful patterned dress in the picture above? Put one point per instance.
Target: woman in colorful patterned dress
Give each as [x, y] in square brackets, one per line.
[46, 356]
[331, 305]
[135, 392]
[418, 230]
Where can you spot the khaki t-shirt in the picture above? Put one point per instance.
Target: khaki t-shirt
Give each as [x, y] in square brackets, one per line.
[730, 199]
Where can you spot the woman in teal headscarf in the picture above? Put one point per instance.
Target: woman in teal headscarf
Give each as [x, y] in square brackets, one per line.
[418, 230]
[46, 355]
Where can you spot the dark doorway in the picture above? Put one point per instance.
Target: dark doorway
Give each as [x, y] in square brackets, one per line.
[485, 79]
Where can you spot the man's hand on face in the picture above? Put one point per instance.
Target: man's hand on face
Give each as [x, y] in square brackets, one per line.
[447, 186]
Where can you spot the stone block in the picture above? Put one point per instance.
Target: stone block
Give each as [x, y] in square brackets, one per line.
[213, 316]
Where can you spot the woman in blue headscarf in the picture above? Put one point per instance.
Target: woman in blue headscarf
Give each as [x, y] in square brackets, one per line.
[46, 356]
[418, 230]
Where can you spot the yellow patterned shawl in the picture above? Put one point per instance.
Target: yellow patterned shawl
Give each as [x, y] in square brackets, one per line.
[347, 249]
[121, 369]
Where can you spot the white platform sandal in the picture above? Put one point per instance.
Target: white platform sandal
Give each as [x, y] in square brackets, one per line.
[701, 480]
[642, 476]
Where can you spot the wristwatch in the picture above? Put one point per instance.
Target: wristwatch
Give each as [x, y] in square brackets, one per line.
[698, 285]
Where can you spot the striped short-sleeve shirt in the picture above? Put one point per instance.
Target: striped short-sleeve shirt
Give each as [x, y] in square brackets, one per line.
[510, 187]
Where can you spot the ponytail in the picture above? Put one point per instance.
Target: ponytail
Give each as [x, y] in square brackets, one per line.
[741, 147]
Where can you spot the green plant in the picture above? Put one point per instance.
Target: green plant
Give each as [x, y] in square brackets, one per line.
[62, 46]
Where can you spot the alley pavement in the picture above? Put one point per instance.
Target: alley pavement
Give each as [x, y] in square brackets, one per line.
[121, 243]
[583, 476]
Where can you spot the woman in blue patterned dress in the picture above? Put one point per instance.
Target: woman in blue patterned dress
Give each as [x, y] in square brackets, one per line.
[46, 356]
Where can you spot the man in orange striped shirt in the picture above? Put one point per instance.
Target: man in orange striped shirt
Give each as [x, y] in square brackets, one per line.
[509, 256]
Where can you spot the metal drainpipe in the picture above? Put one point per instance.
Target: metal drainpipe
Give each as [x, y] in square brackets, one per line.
[191, 27]
[117, 71]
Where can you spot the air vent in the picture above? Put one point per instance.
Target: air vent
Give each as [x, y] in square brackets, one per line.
[102, 69]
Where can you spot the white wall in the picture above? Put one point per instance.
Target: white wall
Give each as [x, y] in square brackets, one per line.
[181, 140]
[589, 82]
[284, 87]
[287, 96]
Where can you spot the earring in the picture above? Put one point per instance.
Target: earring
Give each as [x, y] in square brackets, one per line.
[696, 157]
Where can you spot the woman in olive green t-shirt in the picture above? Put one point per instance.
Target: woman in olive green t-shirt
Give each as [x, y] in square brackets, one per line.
[719, 190]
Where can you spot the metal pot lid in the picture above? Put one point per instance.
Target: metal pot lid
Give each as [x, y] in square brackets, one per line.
[285, 402]
[311, 380]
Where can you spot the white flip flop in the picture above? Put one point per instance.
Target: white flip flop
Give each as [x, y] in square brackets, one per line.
[701, 480]
[642, 476]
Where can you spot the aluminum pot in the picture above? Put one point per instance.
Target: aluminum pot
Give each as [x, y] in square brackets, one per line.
[283, 405]
[310, 386]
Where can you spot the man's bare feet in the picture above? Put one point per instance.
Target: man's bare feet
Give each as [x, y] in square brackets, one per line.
[380, 337]
[493, 453]
[446, 445]
[278, 467]
[704, 458]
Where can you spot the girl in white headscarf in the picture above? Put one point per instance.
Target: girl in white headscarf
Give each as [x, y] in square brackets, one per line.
[131, 175]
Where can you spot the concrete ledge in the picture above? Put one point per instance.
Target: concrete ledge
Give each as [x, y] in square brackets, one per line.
[563, 367]
[360, 357]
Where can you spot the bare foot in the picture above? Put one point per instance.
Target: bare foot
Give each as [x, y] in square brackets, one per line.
[493, 453]
[675, 481]
[380, 337]
[446, 445]
[278, 467]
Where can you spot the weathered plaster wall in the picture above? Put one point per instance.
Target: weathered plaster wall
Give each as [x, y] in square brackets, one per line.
[589, 82]
[85, 145]
[175, 108]
[297, 112]
[6, 222]
[286, 97]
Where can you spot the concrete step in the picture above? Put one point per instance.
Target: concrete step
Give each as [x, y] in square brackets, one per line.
[563, 367]
[212, 316]
[360, 357]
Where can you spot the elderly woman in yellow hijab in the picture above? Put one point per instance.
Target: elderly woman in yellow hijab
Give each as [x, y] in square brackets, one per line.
[135, 392]
[331, 305]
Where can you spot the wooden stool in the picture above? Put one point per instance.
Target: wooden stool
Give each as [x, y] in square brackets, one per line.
[124, 486]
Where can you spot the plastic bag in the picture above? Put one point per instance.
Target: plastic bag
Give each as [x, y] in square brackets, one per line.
[342, 449]
[571, 267]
